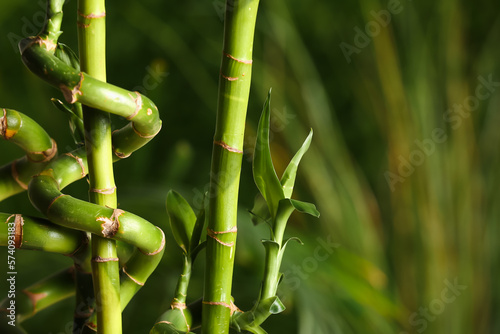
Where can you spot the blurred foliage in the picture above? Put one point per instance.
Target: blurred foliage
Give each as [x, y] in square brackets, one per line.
[379, 260]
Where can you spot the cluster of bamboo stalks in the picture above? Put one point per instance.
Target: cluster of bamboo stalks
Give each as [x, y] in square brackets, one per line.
[115, 251]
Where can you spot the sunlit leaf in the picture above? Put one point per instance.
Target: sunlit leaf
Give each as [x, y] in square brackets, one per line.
[305, 207]
[263, 170]
[182, 219]
[288, 178]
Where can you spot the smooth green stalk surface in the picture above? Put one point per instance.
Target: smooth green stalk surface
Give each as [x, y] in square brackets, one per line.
[234, 88]
[105, 267]
[32, 138]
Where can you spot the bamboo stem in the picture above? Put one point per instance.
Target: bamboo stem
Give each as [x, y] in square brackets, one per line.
[234, 88]
[105, 267]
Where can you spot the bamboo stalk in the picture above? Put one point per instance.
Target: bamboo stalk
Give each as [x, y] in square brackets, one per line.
[32, 138]
[234, 88]
[105, 267]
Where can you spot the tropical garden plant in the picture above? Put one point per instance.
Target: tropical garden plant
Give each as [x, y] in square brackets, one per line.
[114, 251]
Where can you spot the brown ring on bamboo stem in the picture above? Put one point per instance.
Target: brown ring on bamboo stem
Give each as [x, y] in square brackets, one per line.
[104, 191]
[132, 278]
[228, 78]
[143, 135]
[15, 175]
[227, 147]
[80, 162]
[162, 245]
[99, 259]
[138, 105]
[249, 62]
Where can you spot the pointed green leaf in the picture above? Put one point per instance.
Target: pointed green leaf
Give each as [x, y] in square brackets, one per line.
[255, 329]
[288, 178]
[277, 306]
[272, 305]
[263, 170]
[75, 121]
[305, 207]
[182, 219]
[67, 56]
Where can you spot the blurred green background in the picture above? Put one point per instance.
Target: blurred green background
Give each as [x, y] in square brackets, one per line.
[404, 100]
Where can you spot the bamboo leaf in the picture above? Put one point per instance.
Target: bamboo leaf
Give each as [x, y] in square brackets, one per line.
[75, 121]
[288, 178]
[182, 219]
[263, 170]
[67, 56]
[305, 207]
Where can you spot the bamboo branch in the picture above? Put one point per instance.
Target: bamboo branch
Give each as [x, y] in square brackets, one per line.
[234, 88]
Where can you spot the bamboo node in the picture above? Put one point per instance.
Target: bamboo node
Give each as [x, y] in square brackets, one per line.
[228, 78]
[80, 162]
[143, 135]
[18, 229]
[54, 200]
[92, 15]
[178, 305]
[15, 175]
[70, 94]
[230, 306]
[47, 43]
[162, 245]
[243, 61]
[35, 297]
[213, 234]
[132, 278]
[99, 259]
[138, 105]
[105, 191]
[110, 225]
[227, 147]
[48, 154]
[4, 125]
[121, 155]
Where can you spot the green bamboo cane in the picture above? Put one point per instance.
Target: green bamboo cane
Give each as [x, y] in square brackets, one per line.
[234, 88]
[105, 269]
[32, 138]
[39, 56]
